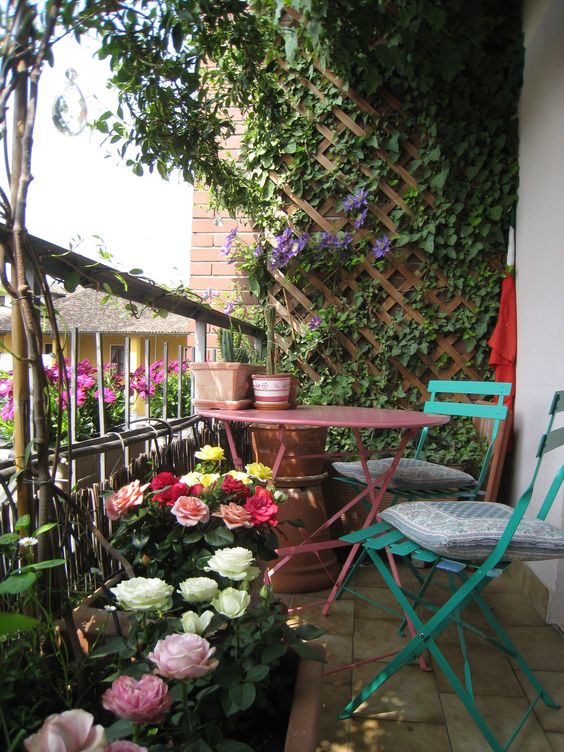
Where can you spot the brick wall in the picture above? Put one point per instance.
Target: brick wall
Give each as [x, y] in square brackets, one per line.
[209, 270]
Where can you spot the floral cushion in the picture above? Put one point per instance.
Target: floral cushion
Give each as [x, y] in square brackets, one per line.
[410, 474]
[470, 530]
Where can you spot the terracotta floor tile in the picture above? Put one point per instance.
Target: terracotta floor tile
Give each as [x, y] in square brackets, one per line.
[334, 735]
[553, 681]
[556, 742]
[514, 609]
[542, 647]
[371, 735]
[365, 610]
[374, 637]
[410, 695]
[492, 673]
[502, 714]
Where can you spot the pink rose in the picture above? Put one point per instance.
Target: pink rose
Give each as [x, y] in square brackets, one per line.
[183, 656]
[234, 516]
[118, 504]
[189, 510]
[71, 731]
[143, 701]
[262, 507]
[125, 746]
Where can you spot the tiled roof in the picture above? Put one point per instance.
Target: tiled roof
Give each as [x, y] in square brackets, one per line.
[85, 310]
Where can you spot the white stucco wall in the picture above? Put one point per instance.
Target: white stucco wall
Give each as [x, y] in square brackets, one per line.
[540, 261]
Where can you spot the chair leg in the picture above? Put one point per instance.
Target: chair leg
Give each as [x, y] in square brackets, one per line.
[351, 572]
[508, 646]
[425, 639]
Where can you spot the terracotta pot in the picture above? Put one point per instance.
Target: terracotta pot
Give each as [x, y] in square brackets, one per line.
[304, 573]
[226, 385]
[299, 440]
[272, 391]
[305, 715]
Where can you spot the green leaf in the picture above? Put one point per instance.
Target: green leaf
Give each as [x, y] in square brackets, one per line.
[308, 632]
[257, 673]
[309, 652]
[49, 564]
[17, 583]
[44, 528]
[10, 623]
[8, 538]
[177, 36]
[231, 745]
[22, 522]
[112, 646]
[71, 281]
[135, 272]
[273, 652]
[219, 537]
[120, 729]
[242, 695]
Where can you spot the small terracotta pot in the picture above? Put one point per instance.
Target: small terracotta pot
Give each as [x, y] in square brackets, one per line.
[272, 392]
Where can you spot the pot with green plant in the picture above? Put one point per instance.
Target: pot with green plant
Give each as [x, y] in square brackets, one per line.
[271, 390]
[227, 383]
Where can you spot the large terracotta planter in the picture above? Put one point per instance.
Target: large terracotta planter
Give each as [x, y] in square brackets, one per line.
[224, 385]
[299, 440]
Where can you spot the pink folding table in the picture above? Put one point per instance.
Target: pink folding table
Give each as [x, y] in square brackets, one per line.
[409, 422]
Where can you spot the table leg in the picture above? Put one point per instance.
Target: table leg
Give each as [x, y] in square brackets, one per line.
[375, 495]
[237, 461]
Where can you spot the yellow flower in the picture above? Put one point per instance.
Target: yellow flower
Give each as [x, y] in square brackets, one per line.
[243, 477]
[211, 454]
[258, 470]
[206, 479]
[191, 479]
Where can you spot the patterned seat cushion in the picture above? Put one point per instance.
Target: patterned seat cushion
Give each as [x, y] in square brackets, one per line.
[410, 474]
[469, 530]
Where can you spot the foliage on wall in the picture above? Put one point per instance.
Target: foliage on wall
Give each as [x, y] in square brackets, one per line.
[443, 77]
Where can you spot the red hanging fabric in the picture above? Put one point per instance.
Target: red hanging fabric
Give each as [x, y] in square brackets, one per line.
[503, 342]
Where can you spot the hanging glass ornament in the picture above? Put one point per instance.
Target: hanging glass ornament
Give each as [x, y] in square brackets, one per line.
[69, 108]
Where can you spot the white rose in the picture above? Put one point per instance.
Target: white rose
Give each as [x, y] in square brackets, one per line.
[144, 594]
[195, 624]
[198, 589]
[191, 479]
[231, 602]
[231, 562]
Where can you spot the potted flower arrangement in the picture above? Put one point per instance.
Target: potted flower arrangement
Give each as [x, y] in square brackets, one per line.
[193, 670]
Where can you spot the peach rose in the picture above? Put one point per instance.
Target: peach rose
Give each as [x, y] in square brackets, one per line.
[234, 515]
[189, 510]
[118, 504]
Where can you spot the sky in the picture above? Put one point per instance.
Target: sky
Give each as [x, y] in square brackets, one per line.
[81, 188]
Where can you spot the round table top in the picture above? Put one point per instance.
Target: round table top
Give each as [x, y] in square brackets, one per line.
[337, 416]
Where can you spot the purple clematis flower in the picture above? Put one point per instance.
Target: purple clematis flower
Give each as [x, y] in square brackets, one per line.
[314, 323]
[226, 247]
[229, 308]
[381, 247]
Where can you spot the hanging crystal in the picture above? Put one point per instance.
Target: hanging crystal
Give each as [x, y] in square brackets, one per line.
[69, 108]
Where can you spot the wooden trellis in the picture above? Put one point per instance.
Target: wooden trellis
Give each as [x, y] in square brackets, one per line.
[407, 270]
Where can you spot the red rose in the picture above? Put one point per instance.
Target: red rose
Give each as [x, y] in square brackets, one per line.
[196, 490]
[233, 487]
[262, 507]
[170, 495]
[162, 480]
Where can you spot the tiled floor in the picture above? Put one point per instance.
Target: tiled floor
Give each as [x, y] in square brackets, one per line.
[416, 710]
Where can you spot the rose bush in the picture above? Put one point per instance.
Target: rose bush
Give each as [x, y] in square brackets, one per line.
[180, 527]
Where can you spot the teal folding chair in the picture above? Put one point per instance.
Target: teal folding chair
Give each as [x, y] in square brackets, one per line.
[473, 542]
[417, 478]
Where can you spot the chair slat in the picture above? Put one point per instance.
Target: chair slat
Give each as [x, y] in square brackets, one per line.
[384, 540]
[466, 409]
[495, 388]
[554, 439]
[360, 535]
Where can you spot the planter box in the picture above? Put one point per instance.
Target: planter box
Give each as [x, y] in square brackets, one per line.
[224, 385]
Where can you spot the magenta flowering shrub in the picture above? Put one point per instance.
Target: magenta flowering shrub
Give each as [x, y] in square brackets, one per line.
[153, 387]
[88, 424]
